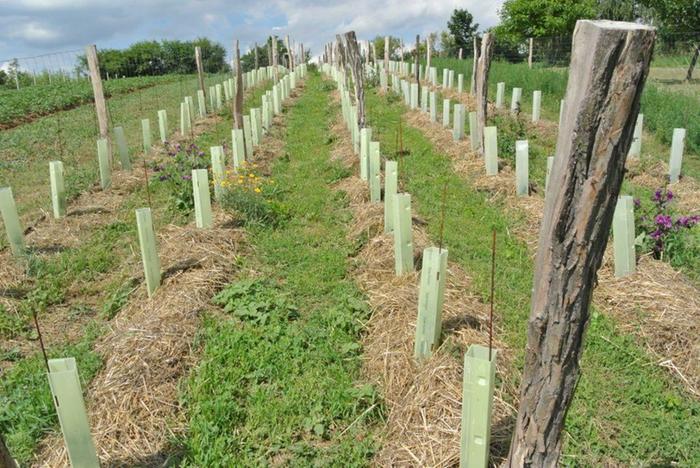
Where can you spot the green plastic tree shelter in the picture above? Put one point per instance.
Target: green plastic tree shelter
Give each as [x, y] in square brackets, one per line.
[58, 189]
[391, 183]
[521, 168]
[163, 125]
[248, 134]
[430, 299]
[13, 228]
[403, 237]
[677, 146]
[202, 199]
[636, 146]
[68, 400]
[104, 164]
[623, 237]
[218, 170]
[122, 148]
[149, 252]
[238, 145]
[374, 178]
[146, 134]
[365, 138]
[446, 113]
[491, 150]
[477, 404]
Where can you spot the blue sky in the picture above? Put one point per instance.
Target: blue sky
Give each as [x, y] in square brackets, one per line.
[34, 27]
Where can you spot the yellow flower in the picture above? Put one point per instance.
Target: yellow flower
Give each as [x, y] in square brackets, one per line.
[257, 190]
[251, 175]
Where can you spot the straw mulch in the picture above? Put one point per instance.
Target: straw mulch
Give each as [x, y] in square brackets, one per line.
[655, 175]
[133, 404]
[657, 304]
[423, 399]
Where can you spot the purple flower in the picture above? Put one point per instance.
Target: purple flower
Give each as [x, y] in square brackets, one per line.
[637, 203]
[200, 154]
[178, 147]
[656, 235]
[669, 195]
[163, 177]
[657, 195]
[172, 153]
[187, 177]
[664, 221]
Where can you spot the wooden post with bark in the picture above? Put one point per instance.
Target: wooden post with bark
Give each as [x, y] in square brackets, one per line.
[200, 68]
[256, 57]
[238, 98]
[351, 51]
[693, 62]
[275, 59]
[100, 103]
[609, 65]
[428, 52]
[529, 55]
[386, 52]
[474, 65]
[289, 52]
[417, 62]
[482, 89]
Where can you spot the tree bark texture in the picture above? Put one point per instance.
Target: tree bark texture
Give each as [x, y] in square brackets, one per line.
[238, 100]
[474, 65]
[609, 65]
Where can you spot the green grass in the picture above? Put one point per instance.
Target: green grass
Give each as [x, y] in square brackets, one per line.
[279, 378]
[626, 408]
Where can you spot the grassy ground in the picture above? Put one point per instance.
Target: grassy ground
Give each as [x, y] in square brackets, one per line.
[88, 284]
[626, 409]
[279, 378]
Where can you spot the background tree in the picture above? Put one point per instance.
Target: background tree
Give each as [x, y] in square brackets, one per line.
[394, 45]
[462, 29]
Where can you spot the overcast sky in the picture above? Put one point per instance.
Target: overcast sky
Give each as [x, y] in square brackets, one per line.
[33, 27]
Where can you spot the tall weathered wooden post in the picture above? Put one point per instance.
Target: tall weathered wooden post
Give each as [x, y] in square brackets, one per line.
[609, 65]
[200, 68]
[98, 92]
[482, 88]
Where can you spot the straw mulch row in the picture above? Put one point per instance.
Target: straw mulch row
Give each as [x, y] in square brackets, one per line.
[423, 399]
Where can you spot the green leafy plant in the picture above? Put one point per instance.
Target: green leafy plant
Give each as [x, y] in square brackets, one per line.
[176, 173]
[252, 197]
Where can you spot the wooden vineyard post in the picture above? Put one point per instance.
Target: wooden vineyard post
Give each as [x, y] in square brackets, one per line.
[636, 147]
[458, 127]
[365, 138]
[146, 132]
[500, 93]
[477, 404]
[386, 52]
[10, 218]
[623, 237]
[609, 65]
[238, 145]
[403, 237]
[515, 101]
[473, 139]
[677, 147]
[391, 183]
[68, 400]
[218, 170]
[103, 162]
[430, 299]
[238, 98]
[433, 107]
[536, 105]
[529, 55]
[58, 190]
[445, 113]
[163, 125]
[200, 69]
[374, 176]
[248, 137]
[475, 65]
[149, 252]
[122, 148]
[202, 199]
[521, 168]
[482, 88]
[491, 150]
[98, 93]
